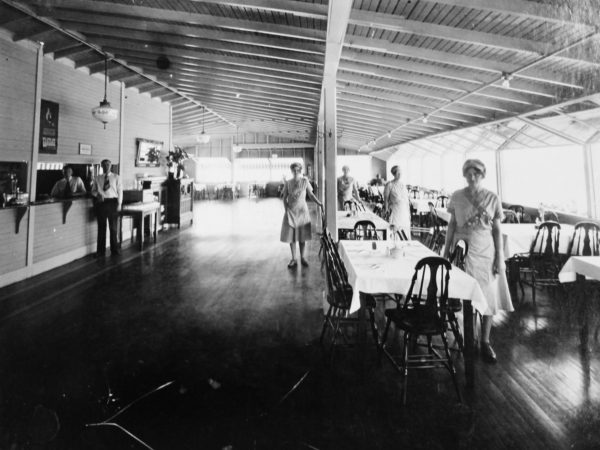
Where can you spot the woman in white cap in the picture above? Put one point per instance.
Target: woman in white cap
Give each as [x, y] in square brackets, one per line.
[476, 214]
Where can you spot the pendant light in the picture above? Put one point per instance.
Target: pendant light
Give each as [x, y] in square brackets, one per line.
[203, 138]
[104, 112]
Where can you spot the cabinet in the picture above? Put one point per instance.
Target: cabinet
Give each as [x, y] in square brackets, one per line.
[179, 205]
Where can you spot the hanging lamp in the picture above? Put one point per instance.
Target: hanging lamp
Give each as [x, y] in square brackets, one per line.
[104, 112]
[203, 138]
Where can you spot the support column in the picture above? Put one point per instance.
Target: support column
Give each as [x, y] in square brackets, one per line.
[121, 126]
[591, 179]
[35, 147]
[330, 156]
[337, 23]
[499, 173]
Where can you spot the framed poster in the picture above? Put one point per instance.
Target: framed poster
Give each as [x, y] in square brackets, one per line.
[148, 153]
[85, 149]
[48, 127]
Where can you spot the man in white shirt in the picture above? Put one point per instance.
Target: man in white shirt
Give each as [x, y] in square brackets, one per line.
[68, 186]
[108, 194]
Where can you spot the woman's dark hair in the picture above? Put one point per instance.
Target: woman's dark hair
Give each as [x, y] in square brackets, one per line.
[394, 170]
[296, 164]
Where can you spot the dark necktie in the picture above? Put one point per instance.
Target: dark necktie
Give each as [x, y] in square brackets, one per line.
[106, 182]
[68, 191]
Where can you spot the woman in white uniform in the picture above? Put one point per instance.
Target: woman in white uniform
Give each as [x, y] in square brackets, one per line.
[476, 214]
[396, 203]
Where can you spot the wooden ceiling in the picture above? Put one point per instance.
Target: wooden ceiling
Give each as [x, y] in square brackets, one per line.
[408, 70]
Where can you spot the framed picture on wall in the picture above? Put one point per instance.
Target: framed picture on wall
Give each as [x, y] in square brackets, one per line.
[48, 127]
[148, 153]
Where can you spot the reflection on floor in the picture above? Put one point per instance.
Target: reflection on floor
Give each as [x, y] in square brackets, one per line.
[214, 310]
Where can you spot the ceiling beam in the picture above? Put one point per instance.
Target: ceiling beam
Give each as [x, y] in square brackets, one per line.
[560, 13]
[170, 15]
[398, 24]
[99, 24]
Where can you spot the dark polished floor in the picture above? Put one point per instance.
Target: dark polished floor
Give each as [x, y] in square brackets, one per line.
[213, 310]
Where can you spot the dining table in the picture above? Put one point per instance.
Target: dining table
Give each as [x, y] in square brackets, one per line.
[583, 273]
[347, 219]
[387, 266]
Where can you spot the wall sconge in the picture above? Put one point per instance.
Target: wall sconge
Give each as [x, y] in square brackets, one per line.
[203, 138]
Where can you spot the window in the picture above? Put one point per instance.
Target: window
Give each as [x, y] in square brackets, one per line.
[263, 170]
[213, 170]
[553, 176]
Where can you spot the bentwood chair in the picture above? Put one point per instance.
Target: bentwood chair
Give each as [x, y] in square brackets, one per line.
[544, 260]
[442, 201]
[454, 305]
[422, 314]
[586, 240]
[510, 216]
[339, 298]
[364, 230]
[353, 205]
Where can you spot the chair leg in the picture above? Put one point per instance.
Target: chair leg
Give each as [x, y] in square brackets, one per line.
[326, 322]
[374, 326]
[533, 288]
[407, 339]
[455, 327]
[384, 338]
[450, 366]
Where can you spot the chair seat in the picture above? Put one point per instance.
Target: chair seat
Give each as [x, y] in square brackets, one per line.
[454, 305]
[413, 321]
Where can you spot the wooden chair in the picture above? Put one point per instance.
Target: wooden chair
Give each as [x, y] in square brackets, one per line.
[423, 313]
[510, 216]
[339, 298]
[586, 240]
[543, 261]
[454, 305]
[441, 201]
[364, 230]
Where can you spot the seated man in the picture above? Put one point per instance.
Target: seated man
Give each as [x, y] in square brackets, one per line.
[68, 186]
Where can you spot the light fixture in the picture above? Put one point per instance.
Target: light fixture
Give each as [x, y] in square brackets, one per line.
[237, 95]
[104, 112]
[506, 77]
[425, 118]
[389, 134]
[203, 138]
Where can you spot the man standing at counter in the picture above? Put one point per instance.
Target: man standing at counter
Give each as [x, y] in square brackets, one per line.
[68, 186]
[108, 194]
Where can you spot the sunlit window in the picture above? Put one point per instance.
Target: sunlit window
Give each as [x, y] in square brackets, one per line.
[263, 170]
[553, 176]
[213, 170]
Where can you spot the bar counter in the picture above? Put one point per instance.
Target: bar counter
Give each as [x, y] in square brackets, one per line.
[43, 235]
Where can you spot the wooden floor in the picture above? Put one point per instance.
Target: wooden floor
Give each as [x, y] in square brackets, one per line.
[214, 309]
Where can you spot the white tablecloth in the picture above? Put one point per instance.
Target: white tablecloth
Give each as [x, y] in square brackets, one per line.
[372, 271]
[421, 204]
[345, 222]
[582, 265]
[518, 237]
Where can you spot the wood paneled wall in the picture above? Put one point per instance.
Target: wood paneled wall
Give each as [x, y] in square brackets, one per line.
[54, 238]
[54, 243]
[12, 250]
[17, 90]
[76, 93]
[144, 118]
